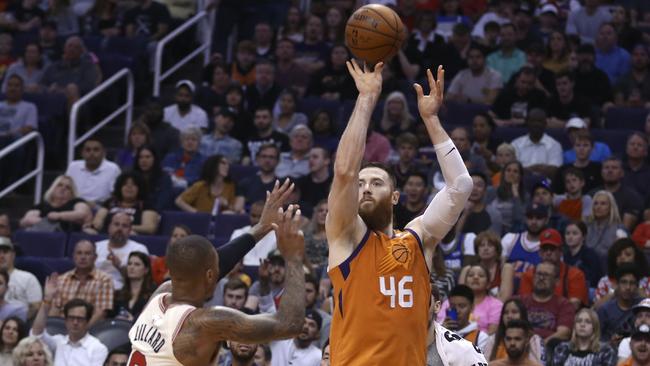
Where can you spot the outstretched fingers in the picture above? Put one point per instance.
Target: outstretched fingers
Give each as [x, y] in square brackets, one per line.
[441, 80]
[379, 67]
[418, 90]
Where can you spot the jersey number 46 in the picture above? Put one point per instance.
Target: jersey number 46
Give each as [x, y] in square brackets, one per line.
[403, 294]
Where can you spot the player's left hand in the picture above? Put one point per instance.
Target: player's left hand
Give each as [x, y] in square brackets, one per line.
[274, 200]
[430, 104]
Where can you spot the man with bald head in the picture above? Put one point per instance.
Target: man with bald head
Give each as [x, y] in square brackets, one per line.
[85, 282]
[174, 328]
[75, 74]
[113, 253]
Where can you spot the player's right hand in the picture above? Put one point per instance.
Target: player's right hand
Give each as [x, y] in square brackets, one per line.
[367, 82]
[290, 239]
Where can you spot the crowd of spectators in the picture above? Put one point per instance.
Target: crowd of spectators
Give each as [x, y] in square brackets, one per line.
[547, 264]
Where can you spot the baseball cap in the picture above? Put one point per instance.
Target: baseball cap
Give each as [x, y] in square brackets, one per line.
[544, 183]
[534, 209]
[313, 315]
[187, 83]
[643, 305]
[548, 8]
[575, 122]
[6, 242]
[642, 331]
[275, 256]
[550, 237]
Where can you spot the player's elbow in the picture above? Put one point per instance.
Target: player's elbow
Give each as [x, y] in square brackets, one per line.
[464, 184]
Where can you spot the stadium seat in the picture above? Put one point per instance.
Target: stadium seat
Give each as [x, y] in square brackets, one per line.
[615, 139]
[199, 223]
[218, 241]
[309, 105]
[461, 113]
[508, 134]
[112, 333]
[156, 244]
[626, 118]
[41, 267]
[76, 237]
[55, 325]
[226, 224]
[240, 172]
[41, 244]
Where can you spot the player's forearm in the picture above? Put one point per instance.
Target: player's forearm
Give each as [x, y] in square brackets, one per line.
[291, 312]
[353, 141]
[437, 134]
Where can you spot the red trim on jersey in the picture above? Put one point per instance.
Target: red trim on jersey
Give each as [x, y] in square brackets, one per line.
[181, 322]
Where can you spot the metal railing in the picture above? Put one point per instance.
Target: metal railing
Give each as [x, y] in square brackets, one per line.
[204, 47]
[36, 172]
[73, 140]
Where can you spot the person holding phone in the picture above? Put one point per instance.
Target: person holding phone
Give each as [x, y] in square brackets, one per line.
[457, 309]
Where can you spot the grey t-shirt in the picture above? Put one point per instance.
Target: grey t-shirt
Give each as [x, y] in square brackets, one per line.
[15, 116]
[433, 357]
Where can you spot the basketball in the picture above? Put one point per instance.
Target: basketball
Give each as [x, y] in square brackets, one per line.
[374, 33]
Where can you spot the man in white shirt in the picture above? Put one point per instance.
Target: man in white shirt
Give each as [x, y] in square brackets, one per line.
[93, 176]
[299, 351]
[641, 316]
[536, 150]
[23, 286]
[183, 114]
[585, 21]
[295, 163]
[77, 348]
[113, 253]
[264, 246]
[476, 84]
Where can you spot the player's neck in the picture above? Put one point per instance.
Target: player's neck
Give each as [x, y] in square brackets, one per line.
[388, 230]
[183, 295]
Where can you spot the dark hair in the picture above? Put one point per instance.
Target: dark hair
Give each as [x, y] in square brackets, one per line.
[481, 175]
[509, 25]
[210, 169]
[331, 130]
[407, 138]
[462, 291]
[124, 349]
[627, 269]
[425, 14]
[264, 107]
[384, 167]
[461, 29]
[565, 51]
[583, 135]
[40, 52]
[491, 25]
[121, 181]
[586, 48]
[189, 256]
[501, 329]
[78, 303]
[488, 118]
[580, 225]
[268, 146]
[565, 74]
[518, 324]
[535, 48]
[23, 331]
[477, 49]
[615, 250]
[575, 172]
[183, 227]
[148, 285]
[267, 351]
[150, 179]
[235, 284]
[310, 278]
[504, 192]
[419, 175]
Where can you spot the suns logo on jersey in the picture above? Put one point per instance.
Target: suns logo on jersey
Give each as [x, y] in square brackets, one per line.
[398, 254]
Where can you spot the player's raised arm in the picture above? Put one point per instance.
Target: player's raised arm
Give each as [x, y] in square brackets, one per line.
[445, 208]
[220, 323]
[343, 224]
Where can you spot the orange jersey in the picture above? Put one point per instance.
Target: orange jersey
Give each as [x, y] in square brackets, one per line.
[381, 303]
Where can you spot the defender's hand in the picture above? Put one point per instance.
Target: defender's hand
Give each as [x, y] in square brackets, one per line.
[291, 240]
[367, 82]
[429, 105]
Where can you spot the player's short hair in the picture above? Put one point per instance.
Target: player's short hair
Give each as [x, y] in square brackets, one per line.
[188, 255]
[462, 291]
[384, 167]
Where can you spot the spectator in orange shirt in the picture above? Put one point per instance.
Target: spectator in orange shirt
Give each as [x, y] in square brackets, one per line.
[573, 204]
[571, 284]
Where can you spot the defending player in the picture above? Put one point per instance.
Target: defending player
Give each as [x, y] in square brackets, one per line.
[380, 277]
[174, 329]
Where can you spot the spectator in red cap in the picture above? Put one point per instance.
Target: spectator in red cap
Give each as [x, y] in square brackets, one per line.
[571, 283]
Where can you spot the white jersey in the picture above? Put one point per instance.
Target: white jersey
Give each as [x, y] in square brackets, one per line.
[152, 335]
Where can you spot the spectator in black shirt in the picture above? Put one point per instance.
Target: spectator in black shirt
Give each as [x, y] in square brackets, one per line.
[583, 144]
[264, 92]
[243, 128]
[315, 186]
[26, 16]
[312, 50]
[48, 41]
[637, 170]
[457, 50]
[514, 102]
[164, 137]
[263, 38]
[633, 88]
[149, 19]
[566, 104]
[210, 98]
[424, 47]
[534, 59]
[264, 134]
[477, 216]
[416, 192]
[253, 189]
[334, 81]
[591, 82]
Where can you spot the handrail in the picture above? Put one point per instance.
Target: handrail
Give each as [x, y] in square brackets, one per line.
[158, 75]
[127, 107]
[37, 172]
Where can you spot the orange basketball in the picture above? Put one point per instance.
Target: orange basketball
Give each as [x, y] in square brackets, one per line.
[374, 33]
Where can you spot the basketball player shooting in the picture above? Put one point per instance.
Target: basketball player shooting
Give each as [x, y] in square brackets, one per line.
[174, 329]
[380, 277]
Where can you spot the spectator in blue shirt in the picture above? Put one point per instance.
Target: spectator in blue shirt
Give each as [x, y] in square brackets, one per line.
[184, 165]
[219, 142]
[612, 59]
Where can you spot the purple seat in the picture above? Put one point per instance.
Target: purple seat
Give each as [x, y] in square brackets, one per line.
[219, 241]
[41, 267]
[199, 223]
[226, 224]
[626, 118]
[615, 139]
[41, 244]
[462, 113]
[156, 244]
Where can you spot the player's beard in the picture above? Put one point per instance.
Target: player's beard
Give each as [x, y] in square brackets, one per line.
[243, 357]
[515, 354]
[378, 217]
